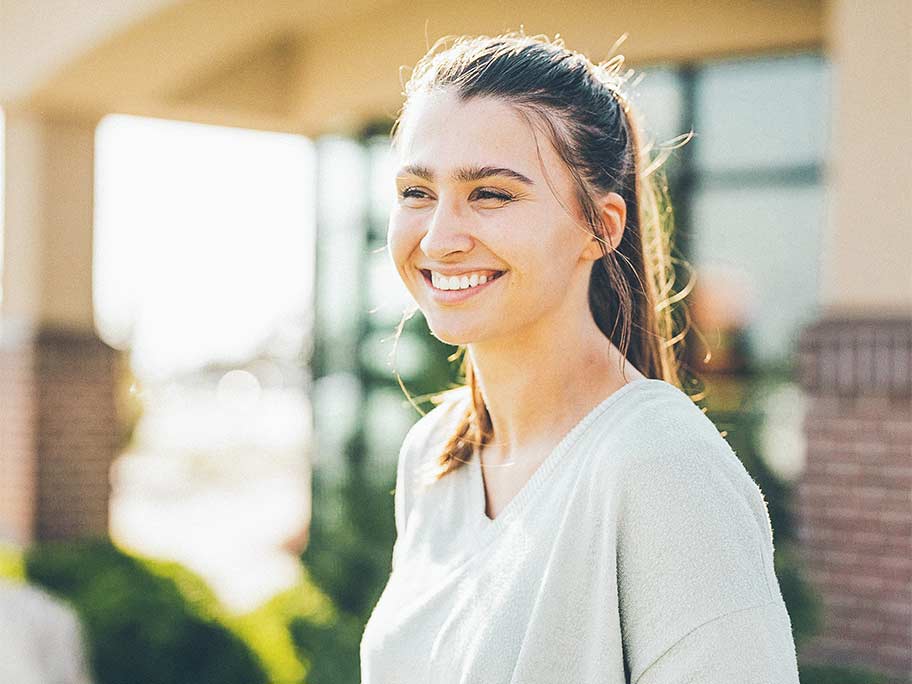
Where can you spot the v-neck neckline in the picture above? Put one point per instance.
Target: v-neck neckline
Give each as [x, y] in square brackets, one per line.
[512, 508]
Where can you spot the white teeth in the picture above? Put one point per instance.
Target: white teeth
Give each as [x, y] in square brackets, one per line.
[442, 282]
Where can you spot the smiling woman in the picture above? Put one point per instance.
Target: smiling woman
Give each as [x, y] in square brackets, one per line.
[569, 515]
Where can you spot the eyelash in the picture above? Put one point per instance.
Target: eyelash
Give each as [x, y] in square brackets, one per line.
[488, 194]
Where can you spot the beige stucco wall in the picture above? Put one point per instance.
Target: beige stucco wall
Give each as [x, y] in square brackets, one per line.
[49, 188]
[38, 38]
[351, 72]
[311, 68]
[867, 259]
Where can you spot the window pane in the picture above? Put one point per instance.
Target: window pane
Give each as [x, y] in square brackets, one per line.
[760, 247]
[658, 100]
[770, 112]
[342, 176]
[382, 183]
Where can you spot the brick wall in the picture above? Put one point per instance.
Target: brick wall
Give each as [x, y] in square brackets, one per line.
[854, 499]
[58, 424]
[17, 440]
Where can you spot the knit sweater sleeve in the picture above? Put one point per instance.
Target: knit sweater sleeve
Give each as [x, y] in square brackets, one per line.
[698, 596]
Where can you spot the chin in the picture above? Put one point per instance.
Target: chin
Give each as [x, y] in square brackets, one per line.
[453, 338]
[456, 335]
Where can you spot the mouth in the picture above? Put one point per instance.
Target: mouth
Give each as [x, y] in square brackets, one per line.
[451, 296]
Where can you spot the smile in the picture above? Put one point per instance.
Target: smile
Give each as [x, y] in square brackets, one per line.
[462, 293]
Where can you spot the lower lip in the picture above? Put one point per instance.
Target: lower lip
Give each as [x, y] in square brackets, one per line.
[456, 296]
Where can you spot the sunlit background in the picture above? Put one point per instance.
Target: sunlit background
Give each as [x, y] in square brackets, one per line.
[239, 272]
[204, 270]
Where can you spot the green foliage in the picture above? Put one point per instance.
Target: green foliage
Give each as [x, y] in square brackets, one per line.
[140, 626]
[352, 529]
[331, 649]
[824, 674]
[150, 620]
[12, 564]
[270, 628]
[349, 555]
[742, 422]
[804, 605]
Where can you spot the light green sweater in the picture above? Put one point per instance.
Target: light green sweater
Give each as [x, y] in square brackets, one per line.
[639, 551]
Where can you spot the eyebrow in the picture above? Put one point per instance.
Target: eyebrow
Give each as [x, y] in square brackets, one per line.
[466, 174]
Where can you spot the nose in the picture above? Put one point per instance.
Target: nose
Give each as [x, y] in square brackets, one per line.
[446, 233]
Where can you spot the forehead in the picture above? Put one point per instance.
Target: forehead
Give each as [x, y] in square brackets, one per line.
[442, 132]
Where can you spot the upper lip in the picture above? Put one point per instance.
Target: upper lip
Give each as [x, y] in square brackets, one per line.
[453, 271]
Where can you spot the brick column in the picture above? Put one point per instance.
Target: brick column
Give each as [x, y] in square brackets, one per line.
[18, 459]
[854, 500]
[58, 423]
[76, 433]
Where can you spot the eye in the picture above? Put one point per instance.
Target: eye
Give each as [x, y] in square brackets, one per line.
[414, 197]
[488, 194]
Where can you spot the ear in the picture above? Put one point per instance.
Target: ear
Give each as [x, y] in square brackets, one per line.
[613, 213]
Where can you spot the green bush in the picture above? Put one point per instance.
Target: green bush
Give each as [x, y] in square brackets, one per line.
[349, 555]
[270, 630]
[156, 622]
[140, 626]
[826, 674]
[12, 565]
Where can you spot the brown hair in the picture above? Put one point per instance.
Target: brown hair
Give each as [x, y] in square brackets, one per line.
[590, 123]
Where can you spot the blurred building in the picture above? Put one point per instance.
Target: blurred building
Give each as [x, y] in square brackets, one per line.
[798, 181]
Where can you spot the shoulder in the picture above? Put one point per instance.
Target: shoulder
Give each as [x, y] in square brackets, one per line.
[659, 432]
[422, 442]
[431, 431]
[694, 540]
[434, 426]
[677, 454]
[659, 414]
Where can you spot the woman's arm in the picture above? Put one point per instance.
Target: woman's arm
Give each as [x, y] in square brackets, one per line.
[748, 646]
[699, 599]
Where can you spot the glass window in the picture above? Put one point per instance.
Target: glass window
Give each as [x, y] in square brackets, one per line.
[658, 100]
[763, 244]
[383, 187]
[761, 113]
[342, 177]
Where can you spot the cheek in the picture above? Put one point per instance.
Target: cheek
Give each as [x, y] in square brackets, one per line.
[402, 239]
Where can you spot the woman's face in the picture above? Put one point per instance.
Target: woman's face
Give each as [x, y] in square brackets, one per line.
[473, 199]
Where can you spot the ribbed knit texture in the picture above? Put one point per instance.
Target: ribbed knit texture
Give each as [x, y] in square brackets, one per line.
[639, 551]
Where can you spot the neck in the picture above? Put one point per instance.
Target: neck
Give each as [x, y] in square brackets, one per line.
[537, 386]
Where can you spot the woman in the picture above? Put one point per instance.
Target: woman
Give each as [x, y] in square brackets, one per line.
[570, 515]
